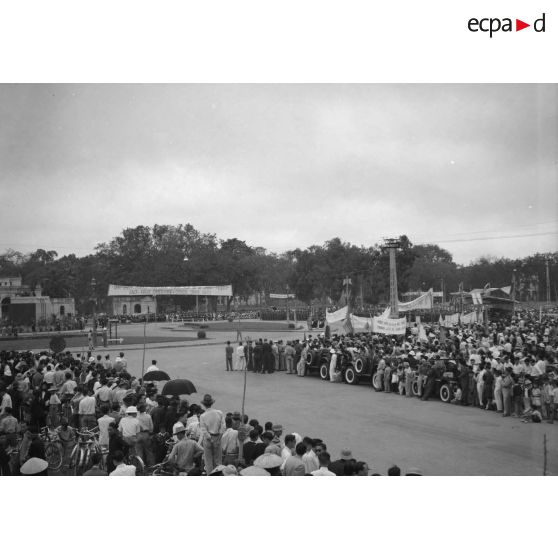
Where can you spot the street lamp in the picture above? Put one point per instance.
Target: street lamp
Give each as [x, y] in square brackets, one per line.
[93, 289]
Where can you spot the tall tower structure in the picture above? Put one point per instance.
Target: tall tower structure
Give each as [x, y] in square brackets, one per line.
[392, 244]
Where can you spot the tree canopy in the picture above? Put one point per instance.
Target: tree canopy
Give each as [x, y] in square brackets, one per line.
[166, 255]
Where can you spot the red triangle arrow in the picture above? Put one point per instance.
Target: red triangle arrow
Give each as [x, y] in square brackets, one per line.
[519, 25]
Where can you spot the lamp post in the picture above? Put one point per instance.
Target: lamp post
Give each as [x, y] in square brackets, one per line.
[94, 290]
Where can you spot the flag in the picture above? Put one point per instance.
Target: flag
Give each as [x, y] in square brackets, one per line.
[461, 287]
[440, 321]
[442, 334]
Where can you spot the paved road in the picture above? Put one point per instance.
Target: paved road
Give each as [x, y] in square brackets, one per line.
[380, 428]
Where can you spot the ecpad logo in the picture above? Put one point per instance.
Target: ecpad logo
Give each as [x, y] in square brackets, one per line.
[493, 25]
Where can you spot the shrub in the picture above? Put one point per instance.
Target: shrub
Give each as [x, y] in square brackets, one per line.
[201, 334]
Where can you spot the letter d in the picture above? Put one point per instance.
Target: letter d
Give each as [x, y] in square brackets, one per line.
[536, 24]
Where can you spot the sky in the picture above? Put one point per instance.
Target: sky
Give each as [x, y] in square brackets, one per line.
[473, 168]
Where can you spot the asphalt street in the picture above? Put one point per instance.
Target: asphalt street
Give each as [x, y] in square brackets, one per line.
[382, 429]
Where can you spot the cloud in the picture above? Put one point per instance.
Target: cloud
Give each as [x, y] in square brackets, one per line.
[281, 166]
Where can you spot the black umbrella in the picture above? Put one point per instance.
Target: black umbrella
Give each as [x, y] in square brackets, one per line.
[156, 376]
[179, 387]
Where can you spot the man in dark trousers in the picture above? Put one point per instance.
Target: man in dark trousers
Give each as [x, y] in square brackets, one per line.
[267, 356]
[464, 381]
[229, 356]
[430, 382]
[258, 356]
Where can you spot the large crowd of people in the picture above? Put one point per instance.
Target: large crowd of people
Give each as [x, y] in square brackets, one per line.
[508, 367]
[68, 394]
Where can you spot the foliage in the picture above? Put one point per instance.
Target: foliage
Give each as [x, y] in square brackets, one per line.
[180, 255]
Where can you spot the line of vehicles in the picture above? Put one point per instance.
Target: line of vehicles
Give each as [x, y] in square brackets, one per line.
[358, 368]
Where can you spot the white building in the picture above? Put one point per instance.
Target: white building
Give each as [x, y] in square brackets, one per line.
[21, 305]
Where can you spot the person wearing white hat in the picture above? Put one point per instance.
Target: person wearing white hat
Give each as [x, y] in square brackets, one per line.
[34, 466]
[129, 427]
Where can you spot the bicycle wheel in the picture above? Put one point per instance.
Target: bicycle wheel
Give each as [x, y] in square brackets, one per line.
[54, 455]
[79, 467]
[137, 462]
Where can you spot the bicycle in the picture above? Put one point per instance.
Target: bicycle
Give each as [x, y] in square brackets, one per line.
[136, 461]
[87, 445]
[54, 450]
[163, 469]
[66, 410]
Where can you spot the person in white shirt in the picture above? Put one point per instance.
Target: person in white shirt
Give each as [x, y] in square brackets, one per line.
[103, 423]
[288, 450]
[5, 401]
[212, 427]
[130, 427]
[310, 459]
[240, 357]
[49, 375]
[86, 411]
[122, 470]
[153, 366]
[229, 443]
[323, 471]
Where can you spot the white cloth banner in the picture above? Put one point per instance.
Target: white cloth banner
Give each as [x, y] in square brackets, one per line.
[389, 326]
[336, 316]
[423, 301]
[451, 319]
[336, 321]
[470, 318]
[507, 290]
[217, 290]
[477, 298]
[361, 324]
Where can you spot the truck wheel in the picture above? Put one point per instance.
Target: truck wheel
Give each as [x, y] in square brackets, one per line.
[309, 357]
[445, 393]
[359, 365]
[377, 381]
[324, 371]
[350, 376]
[414, 387]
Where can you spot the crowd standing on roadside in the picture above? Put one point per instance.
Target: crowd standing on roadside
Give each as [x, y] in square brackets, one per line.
[508, 367]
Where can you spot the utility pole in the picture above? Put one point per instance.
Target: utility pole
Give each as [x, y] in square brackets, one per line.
[287, 306]
[547, 281]
[94, 289]
[347, 283]
[392, 244]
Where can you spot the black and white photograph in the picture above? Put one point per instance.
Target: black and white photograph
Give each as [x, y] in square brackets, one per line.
[278, 280]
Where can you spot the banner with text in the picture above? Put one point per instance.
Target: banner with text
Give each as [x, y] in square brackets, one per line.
[216, 290]
[389, 326]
